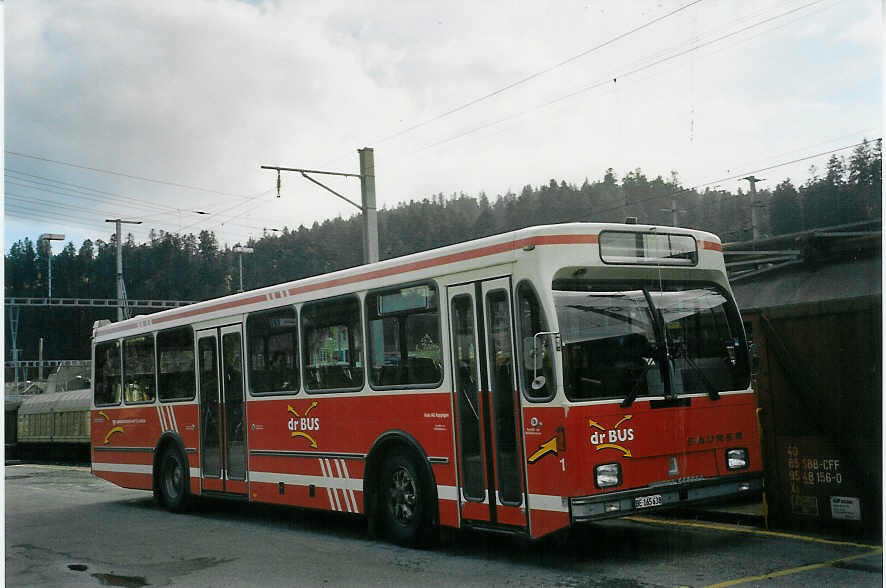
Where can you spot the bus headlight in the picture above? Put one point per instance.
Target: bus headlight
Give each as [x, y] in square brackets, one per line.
[607, 475]
[737, 459]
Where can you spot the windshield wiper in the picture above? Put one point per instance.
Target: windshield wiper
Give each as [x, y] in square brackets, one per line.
[713, 393]
[638, 381]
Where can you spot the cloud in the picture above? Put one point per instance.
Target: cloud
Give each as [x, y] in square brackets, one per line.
[202, 93]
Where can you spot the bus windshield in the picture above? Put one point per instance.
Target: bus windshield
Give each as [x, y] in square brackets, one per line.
[637, 339]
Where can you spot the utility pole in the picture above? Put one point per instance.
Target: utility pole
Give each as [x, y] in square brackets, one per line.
[367, 195]
[755, 230]
[674, 212]
[241, 251]
[14, 313]
[40, 358]
[121, 287]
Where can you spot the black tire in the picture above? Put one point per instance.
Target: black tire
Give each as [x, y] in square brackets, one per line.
[405, 511]
[174, 483]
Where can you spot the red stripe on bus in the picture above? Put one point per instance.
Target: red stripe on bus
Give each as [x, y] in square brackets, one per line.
[381, 273]
[451, 258]
[712, 245]
[213, 308]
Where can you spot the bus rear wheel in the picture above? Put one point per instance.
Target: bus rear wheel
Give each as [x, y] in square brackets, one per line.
[404, 496]
[173, 480]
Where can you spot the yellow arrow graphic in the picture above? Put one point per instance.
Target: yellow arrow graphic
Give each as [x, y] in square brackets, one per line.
[102, 413]
[626, 417]
[306, 436]
[313, 404]
[595, 424]
[626, 452]
[292, 410]
[111, 432]
[544, 449]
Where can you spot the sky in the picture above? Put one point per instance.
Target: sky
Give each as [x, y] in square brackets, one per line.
[157, 111]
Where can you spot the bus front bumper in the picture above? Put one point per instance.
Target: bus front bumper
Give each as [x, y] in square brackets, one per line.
[661, 496]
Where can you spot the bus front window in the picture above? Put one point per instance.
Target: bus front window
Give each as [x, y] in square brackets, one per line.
[643, 339]
[609, 343]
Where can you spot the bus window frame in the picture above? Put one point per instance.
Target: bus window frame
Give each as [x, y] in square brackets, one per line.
[153, 335]
[661, 263]
[248, 352]
[119, 342]
[194, 366]
[368, 378]
[519, 343]
[304, 350]
[732, 311]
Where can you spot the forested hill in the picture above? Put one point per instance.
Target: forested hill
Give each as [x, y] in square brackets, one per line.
[194, 267]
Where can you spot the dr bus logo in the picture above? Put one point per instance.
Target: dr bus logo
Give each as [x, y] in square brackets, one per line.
[300, 424]
[604, 438]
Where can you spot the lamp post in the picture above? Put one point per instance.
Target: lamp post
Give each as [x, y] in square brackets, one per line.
[49, 238]
[241, 251]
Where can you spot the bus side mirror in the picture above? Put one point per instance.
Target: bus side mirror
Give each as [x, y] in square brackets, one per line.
[532, 358]
[533, 354]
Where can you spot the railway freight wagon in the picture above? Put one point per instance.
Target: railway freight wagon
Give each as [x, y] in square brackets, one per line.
[11, 426]
[54, 426]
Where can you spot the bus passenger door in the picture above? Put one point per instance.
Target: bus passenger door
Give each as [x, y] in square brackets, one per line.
[489, 449]
[504, 403]
[222, 431]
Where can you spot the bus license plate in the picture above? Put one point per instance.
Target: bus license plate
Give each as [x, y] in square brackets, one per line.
[647, 501]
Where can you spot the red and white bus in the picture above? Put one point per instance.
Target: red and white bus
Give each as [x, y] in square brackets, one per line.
[523, 382]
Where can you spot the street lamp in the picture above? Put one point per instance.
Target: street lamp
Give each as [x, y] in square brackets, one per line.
[50, 237]
[241, 251]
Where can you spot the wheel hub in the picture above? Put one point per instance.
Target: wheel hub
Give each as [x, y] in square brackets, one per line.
[174, 477]
[402, 496]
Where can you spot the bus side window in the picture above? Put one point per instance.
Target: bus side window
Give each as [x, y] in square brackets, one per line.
[332, 344]
[175, 363]
[139, 384]
[108, 374]
[531, 320]
[404, 337]
[273, 351]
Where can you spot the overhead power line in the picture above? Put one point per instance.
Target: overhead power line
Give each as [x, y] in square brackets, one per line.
[49, 189]
[622, 75]
[78, 192]
[124, 175]
[76, 189]
[537, 74]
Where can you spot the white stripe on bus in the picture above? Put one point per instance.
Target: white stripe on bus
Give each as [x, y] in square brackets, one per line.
[548, 502]
[325, 482]
[123, 468]
[306, 480]
[172, 418]
[544, 502]
[344, 467]
[447, 492]
[334, 490]
[344, 492]
[134, 468]
[162, 420]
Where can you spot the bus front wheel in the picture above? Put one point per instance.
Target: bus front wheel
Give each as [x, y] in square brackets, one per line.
[405, 513]
[173, 480]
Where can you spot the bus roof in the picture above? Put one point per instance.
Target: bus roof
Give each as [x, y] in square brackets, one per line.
[473, 254]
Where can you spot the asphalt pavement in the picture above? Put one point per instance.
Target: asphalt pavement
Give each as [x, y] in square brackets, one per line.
[67, 528]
